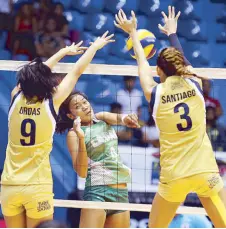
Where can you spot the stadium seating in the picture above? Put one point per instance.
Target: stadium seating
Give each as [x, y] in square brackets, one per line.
[192, 30]
[99, 23]
[88, 6]
[3, 39]
[187, 9]
[127, 5]
[119, 49]
[101, 93]
[150, 7]
[65, 3]
[5, 55]
[222, 37]
[21, 57]
[222, 17]
[75, 19]
[195, 54]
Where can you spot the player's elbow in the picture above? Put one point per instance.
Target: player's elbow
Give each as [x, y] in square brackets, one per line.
[81, 170]
[147, 95]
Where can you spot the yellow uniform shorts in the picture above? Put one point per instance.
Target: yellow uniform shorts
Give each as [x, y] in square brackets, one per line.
[203, 184]
[36, 200]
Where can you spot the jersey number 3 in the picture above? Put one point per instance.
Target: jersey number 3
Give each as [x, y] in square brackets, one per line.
[185, 116]
[31, 133]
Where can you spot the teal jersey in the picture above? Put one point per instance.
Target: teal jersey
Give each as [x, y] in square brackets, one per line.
[105, 166]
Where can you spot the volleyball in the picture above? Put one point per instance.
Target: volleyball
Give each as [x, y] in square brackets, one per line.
[147, 40]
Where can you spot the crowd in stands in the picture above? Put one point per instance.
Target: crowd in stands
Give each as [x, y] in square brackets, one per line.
[36, 28]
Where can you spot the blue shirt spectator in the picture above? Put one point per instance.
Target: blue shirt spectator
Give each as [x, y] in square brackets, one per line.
[190, 221]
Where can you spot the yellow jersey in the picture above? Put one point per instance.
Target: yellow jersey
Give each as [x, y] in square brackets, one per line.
[179, 111]
[31, 126]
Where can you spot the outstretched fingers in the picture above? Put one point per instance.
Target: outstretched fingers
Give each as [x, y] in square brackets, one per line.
[178, 15]
[77, 44]
[105, 34]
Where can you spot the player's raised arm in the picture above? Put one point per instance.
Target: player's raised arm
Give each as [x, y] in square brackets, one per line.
[68, 50]
[170, 29]
[69, 81]
[130, 27]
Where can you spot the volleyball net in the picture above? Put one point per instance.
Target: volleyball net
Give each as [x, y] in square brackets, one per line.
[117, 70]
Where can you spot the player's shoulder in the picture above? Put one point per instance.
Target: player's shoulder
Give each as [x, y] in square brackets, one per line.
[15, 91]
[195, 78]
[71, 133]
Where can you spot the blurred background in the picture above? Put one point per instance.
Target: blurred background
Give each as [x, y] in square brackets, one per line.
[30, 28]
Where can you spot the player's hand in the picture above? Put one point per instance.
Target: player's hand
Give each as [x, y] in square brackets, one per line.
[170, 25]
[77, 128]
[75, 49]
[131, 120]
[100, 42]
[127, 25]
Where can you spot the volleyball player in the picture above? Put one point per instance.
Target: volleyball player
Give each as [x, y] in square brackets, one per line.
[187, 159]
[27, 189]
[93, 145]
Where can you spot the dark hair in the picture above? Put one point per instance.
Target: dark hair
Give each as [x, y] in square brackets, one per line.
[36, 79]
[51, 224]
[125, 78]
[208, 108]
[171, 61]
[21, 14]
[115, 106]
[63, 122]
[58, 4]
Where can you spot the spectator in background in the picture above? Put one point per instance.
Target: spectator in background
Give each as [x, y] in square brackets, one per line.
[62, 23]
[127, 135]
[24, 28]
[5, 17]
[139, 115]
[42, 10]
[49, 41]
[129, 97]
[25, 20]
[190, 221]
[116, 108]
[209, 100]
[137, 139]
[216, 132]
[124, 134]
[150, 132]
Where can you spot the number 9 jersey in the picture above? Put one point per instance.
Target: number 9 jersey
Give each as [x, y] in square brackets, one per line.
[30, 138]
[178, 108]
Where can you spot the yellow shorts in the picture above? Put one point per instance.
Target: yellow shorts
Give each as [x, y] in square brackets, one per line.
[36, 200]
[203, 184]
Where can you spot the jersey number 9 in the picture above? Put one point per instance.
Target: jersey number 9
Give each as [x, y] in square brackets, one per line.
[28, 134]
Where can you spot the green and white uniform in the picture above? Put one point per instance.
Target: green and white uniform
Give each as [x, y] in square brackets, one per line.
[105, 166]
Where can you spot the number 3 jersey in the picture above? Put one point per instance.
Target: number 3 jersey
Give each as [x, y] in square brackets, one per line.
[178, 108]
[30, 138]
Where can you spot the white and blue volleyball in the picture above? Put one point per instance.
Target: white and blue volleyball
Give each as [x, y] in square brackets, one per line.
[147, 40]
